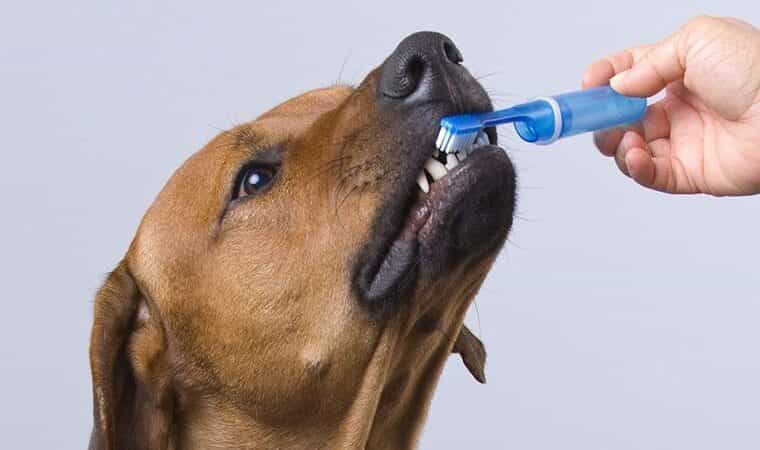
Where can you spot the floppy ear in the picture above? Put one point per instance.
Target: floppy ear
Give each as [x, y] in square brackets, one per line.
[473, 353]
[132, 398]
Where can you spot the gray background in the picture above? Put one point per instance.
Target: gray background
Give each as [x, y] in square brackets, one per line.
[617, 318]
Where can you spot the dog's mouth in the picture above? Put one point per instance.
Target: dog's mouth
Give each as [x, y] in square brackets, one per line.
[440, 212]
[459, 210]
[444, 182]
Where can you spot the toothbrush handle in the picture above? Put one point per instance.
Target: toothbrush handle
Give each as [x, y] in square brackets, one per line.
[544, 120]
[597, 109]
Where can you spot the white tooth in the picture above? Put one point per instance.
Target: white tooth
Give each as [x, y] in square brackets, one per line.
[435, 168]
[481, 140]
[422, 182]
[461, 156]
[451, 161]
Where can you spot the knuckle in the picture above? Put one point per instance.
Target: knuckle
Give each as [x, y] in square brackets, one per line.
[703, 23]
[621, 61]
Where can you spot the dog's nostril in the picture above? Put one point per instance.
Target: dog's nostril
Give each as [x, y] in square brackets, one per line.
[404, 77]
[452, 53]
[415, 70]
[419, 64]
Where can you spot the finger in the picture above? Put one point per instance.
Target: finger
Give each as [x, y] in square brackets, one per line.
[641, 168]
[652, 70]
[608, 141]
[600, 72]
[651, 172]
[656, 123]
[631, 140]
[650, 167]
[661, 173]
[659, 148]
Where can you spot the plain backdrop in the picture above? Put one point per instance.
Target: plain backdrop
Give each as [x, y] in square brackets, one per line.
[616, 318]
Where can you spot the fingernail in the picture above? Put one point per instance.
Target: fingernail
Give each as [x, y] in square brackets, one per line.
[618, 79]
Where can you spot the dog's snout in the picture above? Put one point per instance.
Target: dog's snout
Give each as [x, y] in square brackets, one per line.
[418, 66]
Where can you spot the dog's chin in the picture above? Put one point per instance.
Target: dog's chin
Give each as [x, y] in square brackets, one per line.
[469, 212]
[464, 218]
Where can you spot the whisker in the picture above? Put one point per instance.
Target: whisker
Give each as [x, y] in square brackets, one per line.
[353, 189]
[516, 245]
[342, 67]
[489, 74]
[329, 166]
[477, 315]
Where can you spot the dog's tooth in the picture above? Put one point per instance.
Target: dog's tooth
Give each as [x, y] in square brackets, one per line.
[482, 139]
[422, 182]
[435, 168]
[461, 156]
[452, 161]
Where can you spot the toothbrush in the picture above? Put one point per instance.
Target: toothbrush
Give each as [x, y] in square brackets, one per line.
[546, 119]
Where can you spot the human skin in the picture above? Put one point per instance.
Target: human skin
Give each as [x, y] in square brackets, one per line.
[704, 135]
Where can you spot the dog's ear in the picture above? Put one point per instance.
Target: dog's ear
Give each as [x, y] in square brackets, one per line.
[473, 353]
[133, 402]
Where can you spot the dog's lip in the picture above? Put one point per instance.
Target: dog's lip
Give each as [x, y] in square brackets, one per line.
[420, 204]
[423, 206]
[413, 247]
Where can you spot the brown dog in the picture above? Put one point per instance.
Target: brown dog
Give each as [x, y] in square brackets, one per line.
[292, 286]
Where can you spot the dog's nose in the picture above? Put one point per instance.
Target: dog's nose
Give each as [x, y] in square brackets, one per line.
[418, 68]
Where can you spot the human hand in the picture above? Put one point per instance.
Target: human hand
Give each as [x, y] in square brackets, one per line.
[704, 135]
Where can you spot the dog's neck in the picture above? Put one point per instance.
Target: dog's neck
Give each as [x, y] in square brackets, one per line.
[387, 412]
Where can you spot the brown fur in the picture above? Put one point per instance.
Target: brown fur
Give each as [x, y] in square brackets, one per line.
[236, 326]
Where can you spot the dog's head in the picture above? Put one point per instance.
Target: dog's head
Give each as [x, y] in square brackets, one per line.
[292, 285]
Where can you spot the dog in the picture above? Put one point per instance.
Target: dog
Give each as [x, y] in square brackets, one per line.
[292, 286]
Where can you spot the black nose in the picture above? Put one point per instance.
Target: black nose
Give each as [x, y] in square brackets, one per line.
[419, 66]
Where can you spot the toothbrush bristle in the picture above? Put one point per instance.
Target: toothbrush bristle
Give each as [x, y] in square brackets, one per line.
[447, 141]
[454, 142]
[441, 137]
[470, 140]
[458, 133]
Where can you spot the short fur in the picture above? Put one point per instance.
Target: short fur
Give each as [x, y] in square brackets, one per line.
[233, 323]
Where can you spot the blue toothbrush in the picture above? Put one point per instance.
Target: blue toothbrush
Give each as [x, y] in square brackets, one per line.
[546, 119]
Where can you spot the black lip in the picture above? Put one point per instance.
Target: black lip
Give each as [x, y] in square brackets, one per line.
[466, 215]
[471, 211]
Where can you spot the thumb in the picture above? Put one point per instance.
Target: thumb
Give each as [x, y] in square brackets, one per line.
[652, 70]
[716, 58]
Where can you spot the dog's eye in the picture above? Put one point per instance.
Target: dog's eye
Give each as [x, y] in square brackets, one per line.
[254, 180]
